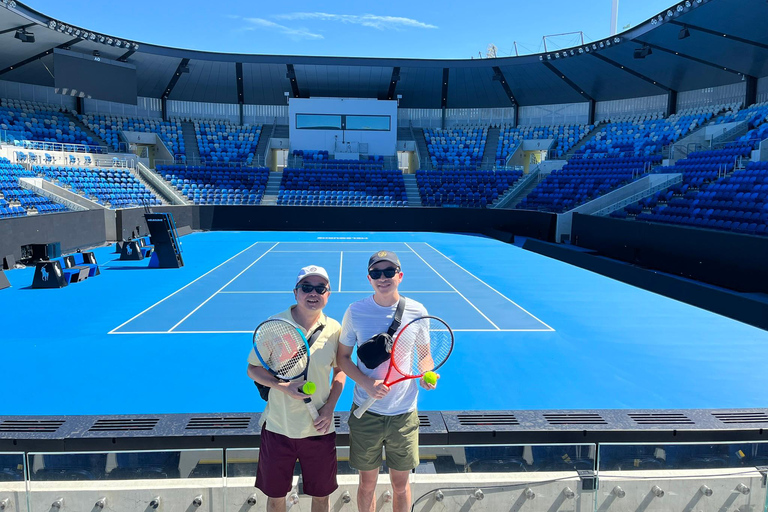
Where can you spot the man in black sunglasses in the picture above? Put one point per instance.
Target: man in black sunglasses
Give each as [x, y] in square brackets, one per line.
[392, 421]
[288, 432]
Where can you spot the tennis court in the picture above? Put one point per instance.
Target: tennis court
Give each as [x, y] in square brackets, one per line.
[531, 332]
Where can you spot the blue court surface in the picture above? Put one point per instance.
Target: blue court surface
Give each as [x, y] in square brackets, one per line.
[531, 332]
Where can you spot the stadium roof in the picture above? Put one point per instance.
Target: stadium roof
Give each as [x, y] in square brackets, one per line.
[727, 42]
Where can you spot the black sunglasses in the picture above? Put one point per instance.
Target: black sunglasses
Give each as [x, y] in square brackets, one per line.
[376, 273]
[307, 288]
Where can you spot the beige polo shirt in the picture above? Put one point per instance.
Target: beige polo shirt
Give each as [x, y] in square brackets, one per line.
[289, 416]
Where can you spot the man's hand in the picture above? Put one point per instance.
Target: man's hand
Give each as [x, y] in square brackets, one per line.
[325, 420]
[292, 388]
[427, 385]
[375, 388]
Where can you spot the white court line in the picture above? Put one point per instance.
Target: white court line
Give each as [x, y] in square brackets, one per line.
[486, 284]
[177, 291]
[309, 250]
[454, 288]
[217, 291]
[340, 291]
[341, 260]
[250, 332]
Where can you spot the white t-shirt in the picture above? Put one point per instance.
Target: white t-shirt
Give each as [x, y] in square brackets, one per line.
[364, 319]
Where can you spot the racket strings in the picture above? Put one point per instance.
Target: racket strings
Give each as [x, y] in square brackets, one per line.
[281, 348]
[422, 346]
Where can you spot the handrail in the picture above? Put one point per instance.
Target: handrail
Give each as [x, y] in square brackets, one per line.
[26, 183]
[673, 180]
[524, 182]
[160, 184]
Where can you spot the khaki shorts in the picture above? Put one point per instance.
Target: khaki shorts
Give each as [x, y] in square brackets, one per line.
[399, 435]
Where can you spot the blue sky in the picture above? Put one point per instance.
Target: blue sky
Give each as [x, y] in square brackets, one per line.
[423, 29]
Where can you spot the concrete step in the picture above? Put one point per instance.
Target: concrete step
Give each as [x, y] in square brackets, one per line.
[491, 145]
[192, 151]
[281, 131]
[96, 137]
[412, 190]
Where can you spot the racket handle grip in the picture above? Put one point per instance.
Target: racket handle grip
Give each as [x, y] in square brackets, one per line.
[361, 410]
[311, 408]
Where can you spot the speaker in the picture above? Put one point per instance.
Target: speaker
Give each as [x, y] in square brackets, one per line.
[4, 280]
[49, 274]
[9, 262]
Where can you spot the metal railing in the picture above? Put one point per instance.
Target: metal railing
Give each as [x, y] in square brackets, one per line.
[39, 190]
[534, 175]
[674, 179]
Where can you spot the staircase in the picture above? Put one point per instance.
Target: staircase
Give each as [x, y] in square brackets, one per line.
[412, 190]
[583, 141]
[491, 145]
[281, 131]
[404, 133]
[263, 146]
[192, 152]
[421, 145]
[96, 137]
[161, 195]
[273, 188]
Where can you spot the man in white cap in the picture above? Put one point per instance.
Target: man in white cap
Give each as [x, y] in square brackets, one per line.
[288, 432]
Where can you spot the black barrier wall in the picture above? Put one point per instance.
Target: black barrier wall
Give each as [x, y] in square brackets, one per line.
[733, 261]
[496, 223]
[74, 230]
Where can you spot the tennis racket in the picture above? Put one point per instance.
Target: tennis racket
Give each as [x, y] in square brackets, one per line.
[284, 352]
[421, 346]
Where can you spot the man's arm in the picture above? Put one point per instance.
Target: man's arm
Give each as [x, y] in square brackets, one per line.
[263, 377]
[374, 388]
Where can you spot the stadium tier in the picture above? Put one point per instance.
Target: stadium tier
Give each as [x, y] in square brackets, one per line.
[109, 127]
[16, 201]
[459, 148]
[565, 137]
[30, 125]
[470, 189]
[736, 202]
[226, 142]
[115, 188]
[351, 186]
[212, 184]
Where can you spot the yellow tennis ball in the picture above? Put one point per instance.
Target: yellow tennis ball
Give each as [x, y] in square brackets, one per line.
[309, 388]
[430, 378]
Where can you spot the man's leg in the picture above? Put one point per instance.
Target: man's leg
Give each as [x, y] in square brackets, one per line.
[401, 490]
[366, 491]
[276, 504]
[322, 504]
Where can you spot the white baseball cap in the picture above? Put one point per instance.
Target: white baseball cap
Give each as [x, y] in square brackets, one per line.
[312, 270]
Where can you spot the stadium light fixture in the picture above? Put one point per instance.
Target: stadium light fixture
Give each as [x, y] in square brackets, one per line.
[684, 33]
[641, 53]
[24, 36]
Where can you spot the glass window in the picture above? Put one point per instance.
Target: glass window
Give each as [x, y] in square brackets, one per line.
[377, 123]
[318, 122]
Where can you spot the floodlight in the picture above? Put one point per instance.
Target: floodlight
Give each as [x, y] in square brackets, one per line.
[24, 36]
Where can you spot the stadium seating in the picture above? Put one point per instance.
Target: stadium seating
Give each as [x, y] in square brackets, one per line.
[583, 179]
[470, 189]
[459, 148]
[565, 136]
[737, 202]
[217, 184]
[12, 192]
[354, 185]
[33, 124]
[226, 142]
[109, 127]
[115, 188]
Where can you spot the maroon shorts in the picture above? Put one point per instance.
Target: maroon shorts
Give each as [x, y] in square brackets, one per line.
[277, 458]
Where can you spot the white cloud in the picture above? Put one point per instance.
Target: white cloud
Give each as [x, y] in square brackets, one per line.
[294, 33]
[366, 20]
